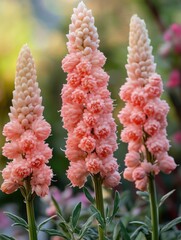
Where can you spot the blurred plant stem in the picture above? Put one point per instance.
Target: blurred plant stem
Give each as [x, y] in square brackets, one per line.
[30, 211]
[153, 207]
[154, 9]
[97, 181]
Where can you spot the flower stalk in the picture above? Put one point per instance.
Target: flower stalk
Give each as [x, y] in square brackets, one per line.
[30, 211]
[99, 202]
[153, 207]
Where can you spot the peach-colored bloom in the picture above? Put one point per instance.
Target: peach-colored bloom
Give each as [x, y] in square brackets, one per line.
[77, 173]
[127, 174]
[12, 130]
[87, 106]
[166, 163]
[142, 183]
[132, 159]
[26, 132]
[112, 180]
[144, 114]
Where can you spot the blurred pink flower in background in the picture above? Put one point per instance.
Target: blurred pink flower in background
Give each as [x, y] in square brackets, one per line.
[87, 106]
[172, 38]
[66, 200]
[26, 132]
[174, 79]
[4, 220]
[177, 137]
[144, 115]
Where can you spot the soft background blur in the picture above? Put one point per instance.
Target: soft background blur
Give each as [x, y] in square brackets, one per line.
[43, 25]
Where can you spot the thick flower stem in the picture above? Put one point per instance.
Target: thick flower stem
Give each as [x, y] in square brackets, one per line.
[153, 208]
[99, 201]
[30, 212]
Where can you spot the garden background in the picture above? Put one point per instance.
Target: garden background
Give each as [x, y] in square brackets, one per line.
[43, 25]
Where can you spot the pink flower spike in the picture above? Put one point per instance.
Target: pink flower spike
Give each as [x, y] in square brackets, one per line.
[144, 114]
[86, 105]
[26, 132]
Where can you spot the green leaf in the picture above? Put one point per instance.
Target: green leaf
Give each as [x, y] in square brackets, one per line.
[56, 205]
[76, 215]
[124, 232]
[143, 195]
[162, 200]
[45, 221]
[139, 229]
[117, 232]
[88, 195]
[136, 232]
[107, 212]
[61, 217]
[140, 236]
[53, 232]
[5, 237]
[139, 223]
[65, 228]
[98, 216]
[86, 226]
[148, 222]
[171, 224]
[18, 220]
[116, 204]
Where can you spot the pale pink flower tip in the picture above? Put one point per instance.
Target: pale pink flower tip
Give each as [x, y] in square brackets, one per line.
[144, 114]
[26, 96]
[26, 132]
[87, 106]
[82, 32]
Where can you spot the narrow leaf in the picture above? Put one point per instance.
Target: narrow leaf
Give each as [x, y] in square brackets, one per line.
[76, 215]
[143, 195]
[65, 228]
[88, 195]
[116, 203]
[162, 200]
[124, 232]
[148, 222]
[18, 220]
[56, 205]
[86, 225]
[171, 224]
[98, 216]
[139, 229]
[53, 232]
[139, 223]
[45, 221]
[140, 236]
[107, 212]
[61, 217]
[5, 237]
[136, 232]
[19, 224]
[116, 232]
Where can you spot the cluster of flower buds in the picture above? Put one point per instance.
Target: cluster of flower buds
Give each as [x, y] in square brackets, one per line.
[144, 115]
[26, 132]
[87, 106]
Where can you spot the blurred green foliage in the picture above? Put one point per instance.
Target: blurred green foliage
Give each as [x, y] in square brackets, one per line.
[43, 25]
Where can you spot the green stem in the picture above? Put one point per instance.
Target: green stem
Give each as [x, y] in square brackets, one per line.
[153, 208]
[99, 201]
[30, 212]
